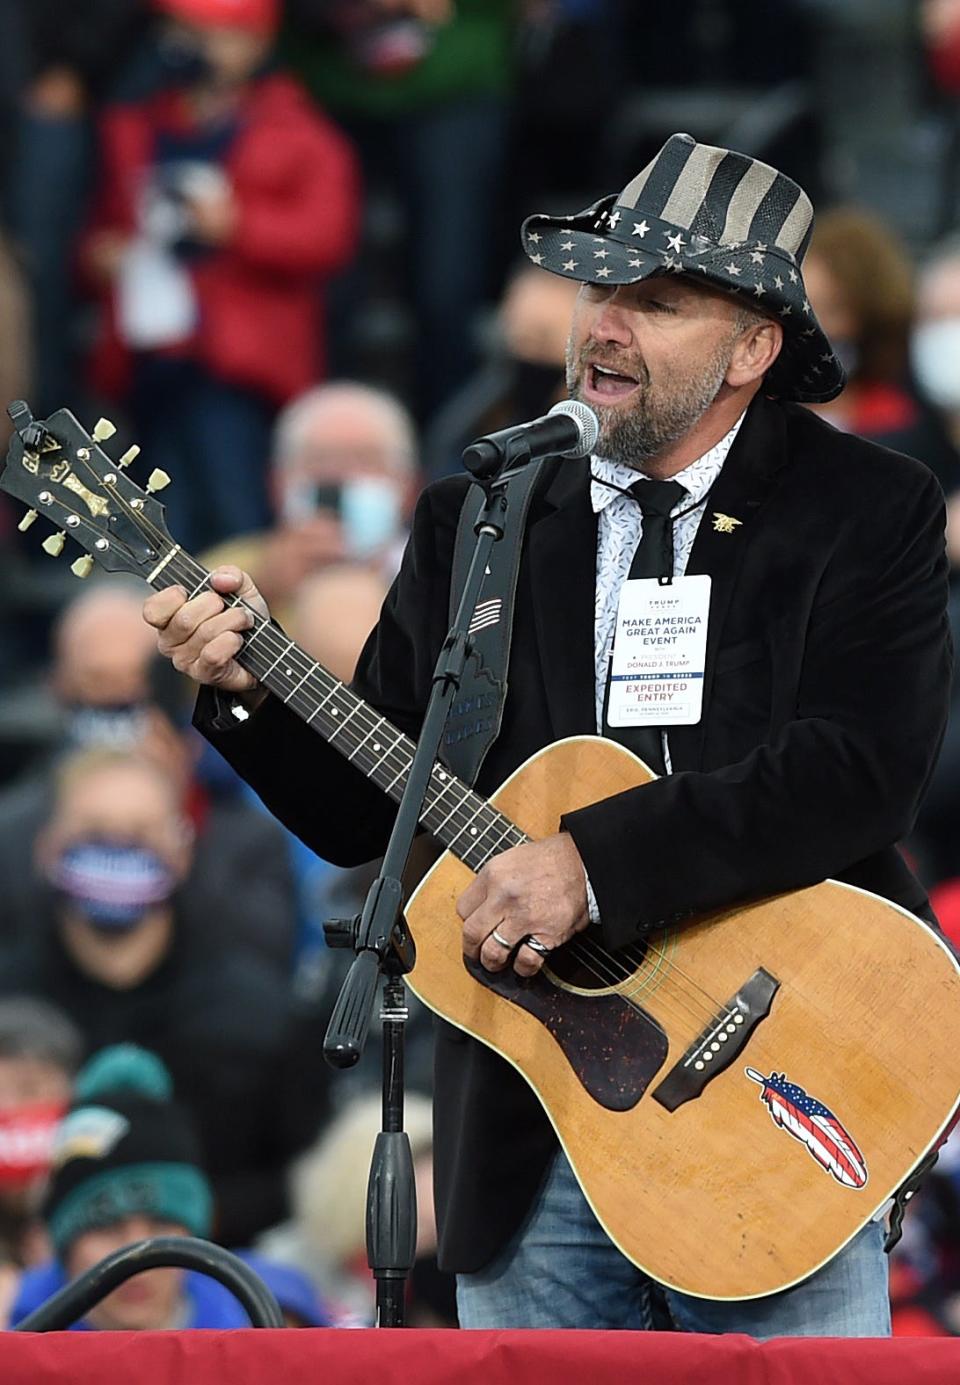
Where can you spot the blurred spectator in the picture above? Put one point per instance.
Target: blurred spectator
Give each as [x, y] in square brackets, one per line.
[344, 479]
[108, 946]
[72, 55]
[221, 203]
[860, 282]
[421, 86]
[326, 1237]
[14, 335]
[113, 691]
[935, 344]
[523, 375]
[333, 613]
[127, 1165]
[40, 1051]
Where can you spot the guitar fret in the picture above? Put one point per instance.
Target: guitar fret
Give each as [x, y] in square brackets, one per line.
[282, 655]
[373, 730]
[352, 713]
[321, 704]
[466, 826]
[444, 821]
[297, 686]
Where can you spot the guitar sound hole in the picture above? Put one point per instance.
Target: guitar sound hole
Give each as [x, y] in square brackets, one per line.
[590, 966]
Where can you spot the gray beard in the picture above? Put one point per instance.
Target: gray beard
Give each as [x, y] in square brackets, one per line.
[653, 422]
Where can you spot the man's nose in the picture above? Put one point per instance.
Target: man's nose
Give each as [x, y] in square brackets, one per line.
[612, 323]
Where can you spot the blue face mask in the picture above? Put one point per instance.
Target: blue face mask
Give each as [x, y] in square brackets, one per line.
[119, 727]
[111, 884]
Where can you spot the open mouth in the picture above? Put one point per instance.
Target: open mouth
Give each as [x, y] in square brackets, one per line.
[608, 386]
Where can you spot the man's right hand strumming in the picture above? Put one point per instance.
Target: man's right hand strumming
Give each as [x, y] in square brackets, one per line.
[203, 636]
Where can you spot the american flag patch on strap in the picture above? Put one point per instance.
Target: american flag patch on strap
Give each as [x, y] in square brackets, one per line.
[814, 1125]
[486, 613]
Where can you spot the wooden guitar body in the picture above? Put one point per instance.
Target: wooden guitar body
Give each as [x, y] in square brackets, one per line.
[850, 1005]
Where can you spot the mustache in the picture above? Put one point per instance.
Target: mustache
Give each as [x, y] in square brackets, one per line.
[589, 355]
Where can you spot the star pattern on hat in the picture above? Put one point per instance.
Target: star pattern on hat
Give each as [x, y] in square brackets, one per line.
[640, 228]
[635, 264]
[675, 265]
[733, 269]
[758, 289]
[786, 310]
[759, 245]
[602, 271]
[566, 245]
[570, 265]
[778, 282]
[612, 219]
[794, 276]
[675, 242]
[806, 307]
[535, 237]
[757, 256]
[536, 259]
[601, 254]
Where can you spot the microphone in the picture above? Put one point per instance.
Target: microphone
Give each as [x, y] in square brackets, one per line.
[570, 429]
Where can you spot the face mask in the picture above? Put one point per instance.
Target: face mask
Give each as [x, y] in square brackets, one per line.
[26, 1141]
[183, 61]
[118, 727]
[113, 886]
[369, 508]
[370, 514]
[935, 356]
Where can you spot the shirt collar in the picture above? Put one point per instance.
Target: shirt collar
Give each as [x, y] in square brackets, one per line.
[697, 478]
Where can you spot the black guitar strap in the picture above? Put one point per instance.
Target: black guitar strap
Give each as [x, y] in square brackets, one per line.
[474, 720]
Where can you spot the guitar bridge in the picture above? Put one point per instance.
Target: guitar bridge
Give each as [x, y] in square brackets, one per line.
[723, 1039]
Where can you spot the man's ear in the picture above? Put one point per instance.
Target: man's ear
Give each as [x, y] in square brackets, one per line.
[754, 352]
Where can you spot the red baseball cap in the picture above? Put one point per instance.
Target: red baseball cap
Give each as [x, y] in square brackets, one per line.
[259, 16]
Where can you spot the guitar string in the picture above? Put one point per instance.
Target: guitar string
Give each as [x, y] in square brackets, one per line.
[614, 972]
[586, 951]
[596, 955]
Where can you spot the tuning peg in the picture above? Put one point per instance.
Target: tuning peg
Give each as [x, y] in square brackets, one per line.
[82, 567]
[103, 429]
[129, 455]
[158, 479]
[27, 520]
[54, 544]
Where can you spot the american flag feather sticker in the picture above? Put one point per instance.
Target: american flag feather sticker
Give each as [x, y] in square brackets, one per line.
[815, 1125]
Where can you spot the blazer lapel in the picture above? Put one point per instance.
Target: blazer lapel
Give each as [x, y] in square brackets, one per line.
[562, 553]
[748, 475]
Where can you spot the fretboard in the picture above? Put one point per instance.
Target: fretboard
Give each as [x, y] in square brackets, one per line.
[460, 819]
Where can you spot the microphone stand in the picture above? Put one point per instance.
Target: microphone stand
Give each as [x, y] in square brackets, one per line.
[380, 937]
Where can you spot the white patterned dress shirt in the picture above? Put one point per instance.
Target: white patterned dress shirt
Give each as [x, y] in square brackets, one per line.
[619, 526]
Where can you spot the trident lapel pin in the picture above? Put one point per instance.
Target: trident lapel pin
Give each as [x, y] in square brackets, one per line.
[725, 524]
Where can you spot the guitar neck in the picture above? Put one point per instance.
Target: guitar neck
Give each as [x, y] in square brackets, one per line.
[460, 819]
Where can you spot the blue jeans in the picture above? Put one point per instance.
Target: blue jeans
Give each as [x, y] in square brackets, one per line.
[561, 1270]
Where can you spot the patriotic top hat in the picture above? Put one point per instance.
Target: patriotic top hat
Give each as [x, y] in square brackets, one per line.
[726, 219]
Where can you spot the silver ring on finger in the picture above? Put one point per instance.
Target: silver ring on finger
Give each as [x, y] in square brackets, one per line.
[535, 945]
[504, 942]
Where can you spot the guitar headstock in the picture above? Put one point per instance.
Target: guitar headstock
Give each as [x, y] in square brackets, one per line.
[61, 472]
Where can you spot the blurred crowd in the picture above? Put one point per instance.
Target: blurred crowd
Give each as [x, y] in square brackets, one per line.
[276, 244]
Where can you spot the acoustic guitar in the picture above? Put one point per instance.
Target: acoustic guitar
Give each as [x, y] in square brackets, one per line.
[737, 1098]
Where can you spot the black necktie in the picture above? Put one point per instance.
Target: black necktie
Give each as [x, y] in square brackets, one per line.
[653, 558]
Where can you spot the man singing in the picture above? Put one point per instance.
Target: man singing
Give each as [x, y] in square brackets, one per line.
[824, 693]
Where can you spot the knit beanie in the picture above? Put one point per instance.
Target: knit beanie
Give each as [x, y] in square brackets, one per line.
[124, 1149]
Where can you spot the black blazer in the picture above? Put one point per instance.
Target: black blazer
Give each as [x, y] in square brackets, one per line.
[825, 698]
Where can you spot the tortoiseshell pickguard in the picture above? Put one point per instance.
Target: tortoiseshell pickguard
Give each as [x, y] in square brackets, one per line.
[614, 1048]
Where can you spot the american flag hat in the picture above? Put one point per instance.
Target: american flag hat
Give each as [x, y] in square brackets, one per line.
[714, 215]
